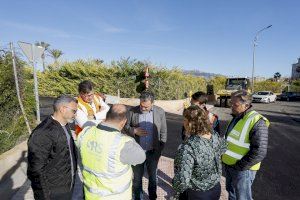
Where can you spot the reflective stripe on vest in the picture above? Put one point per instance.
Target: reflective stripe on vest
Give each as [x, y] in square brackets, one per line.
[104, 193]
[102, 169]
[238, 139]
[106, 175]
[112, 153]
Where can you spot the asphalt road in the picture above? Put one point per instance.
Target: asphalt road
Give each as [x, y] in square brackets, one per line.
[279, 176]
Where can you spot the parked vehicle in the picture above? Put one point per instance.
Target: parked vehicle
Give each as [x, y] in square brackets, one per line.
[289, 96]
[232, 85]
[264, 97]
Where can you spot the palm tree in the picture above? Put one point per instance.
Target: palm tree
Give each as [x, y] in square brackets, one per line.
[46, 46]
[55, 53]
[277, 76]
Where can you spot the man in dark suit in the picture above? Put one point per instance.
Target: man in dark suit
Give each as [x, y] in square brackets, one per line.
[147, 124]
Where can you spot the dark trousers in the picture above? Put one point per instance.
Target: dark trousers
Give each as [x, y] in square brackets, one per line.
[39, 195]
[151, 162]
[212, 194]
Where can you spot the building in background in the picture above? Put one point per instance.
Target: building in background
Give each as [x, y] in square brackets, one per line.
[296, 70]
[259, 78]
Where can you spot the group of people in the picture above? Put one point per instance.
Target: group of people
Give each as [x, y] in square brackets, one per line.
[198, 161]
[105, 155]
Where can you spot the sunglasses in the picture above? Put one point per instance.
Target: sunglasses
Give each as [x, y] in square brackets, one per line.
[74, 111]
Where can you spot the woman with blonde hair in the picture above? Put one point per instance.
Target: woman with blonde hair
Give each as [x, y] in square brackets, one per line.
[197, 165]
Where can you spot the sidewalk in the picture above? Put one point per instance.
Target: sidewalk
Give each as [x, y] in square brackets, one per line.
[165, 174]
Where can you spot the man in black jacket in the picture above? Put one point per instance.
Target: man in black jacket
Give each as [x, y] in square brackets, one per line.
[51, 153]
[247, 139]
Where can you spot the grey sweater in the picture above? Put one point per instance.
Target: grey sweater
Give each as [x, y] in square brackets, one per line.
[132, 153]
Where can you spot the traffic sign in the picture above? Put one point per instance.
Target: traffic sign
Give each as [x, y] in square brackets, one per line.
[32, 52]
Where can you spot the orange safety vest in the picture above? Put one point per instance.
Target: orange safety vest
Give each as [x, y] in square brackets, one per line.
[90, 112]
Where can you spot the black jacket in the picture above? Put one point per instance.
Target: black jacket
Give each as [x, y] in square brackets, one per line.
[49, 161]
[258, 143]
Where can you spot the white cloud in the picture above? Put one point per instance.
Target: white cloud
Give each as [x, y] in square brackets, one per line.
[33, 28]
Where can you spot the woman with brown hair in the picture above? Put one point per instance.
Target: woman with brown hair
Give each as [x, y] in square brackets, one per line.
[197, 165]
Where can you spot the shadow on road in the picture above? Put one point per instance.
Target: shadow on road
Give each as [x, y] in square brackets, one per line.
[7, 187]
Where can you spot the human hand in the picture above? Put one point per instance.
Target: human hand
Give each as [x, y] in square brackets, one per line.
[103, 96]
[139, 131]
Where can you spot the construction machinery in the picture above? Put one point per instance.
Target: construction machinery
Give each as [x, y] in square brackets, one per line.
[232, 85]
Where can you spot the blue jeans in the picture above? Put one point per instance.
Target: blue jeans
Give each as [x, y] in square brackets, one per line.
[151, 162]
[238, 183]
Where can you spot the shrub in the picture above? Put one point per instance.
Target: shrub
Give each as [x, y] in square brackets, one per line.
[125, 75]
[295, 86]
[12, 124]
[268, 85]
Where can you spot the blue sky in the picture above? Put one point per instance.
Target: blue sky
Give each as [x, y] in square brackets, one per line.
[211, 36]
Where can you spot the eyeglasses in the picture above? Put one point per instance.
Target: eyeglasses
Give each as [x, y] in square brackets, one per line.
[74, 111]
[88, 95]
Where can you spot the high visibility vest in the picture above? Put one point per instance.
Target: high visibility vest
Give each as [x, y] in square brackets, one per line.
[105, 177]
[238, 142]
[87, 109]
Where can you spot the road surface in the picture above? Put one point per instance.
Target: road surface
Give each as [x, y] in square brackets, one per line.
[279, 176]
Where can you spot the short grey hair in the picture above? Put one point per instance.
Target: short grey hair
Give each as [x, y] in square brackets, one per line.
[146, 96]
[63, 99]
[244, 96]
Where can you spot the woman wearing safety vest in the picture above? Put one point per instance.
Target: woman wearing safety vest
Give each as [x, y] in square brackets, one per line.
[247, 140]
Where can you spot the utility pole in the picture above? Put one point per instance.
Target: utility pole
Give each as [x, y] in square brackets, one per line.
[253, 60]
[17, 88]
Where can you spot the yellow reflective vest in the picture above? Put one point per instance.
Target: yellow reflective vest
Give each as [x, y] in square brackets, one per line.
[87, 109]
[238, 142]
[104, 175]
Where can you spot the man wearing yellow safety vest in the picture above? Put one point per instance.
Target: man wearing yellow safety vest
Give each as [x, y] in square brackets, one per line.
[247, 140]
[107, 156]
[91, 107]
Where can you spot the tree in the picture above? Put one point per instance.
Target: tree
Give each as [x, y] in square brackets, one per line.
[277, 76]
[218, 83]
[46, 46]
[55, 53]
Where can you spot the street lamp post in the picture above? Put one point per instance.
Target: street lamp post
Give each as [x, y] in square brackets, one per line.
[254, 45]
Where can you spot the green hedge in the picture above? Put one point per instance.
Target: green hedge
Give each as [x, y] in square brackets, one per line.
[12, 123]
[126, 75]
[268, 85]
[295, 86]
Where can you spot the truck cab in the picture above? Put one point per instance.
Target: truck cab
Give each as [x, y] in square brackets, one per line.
[232, 85]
